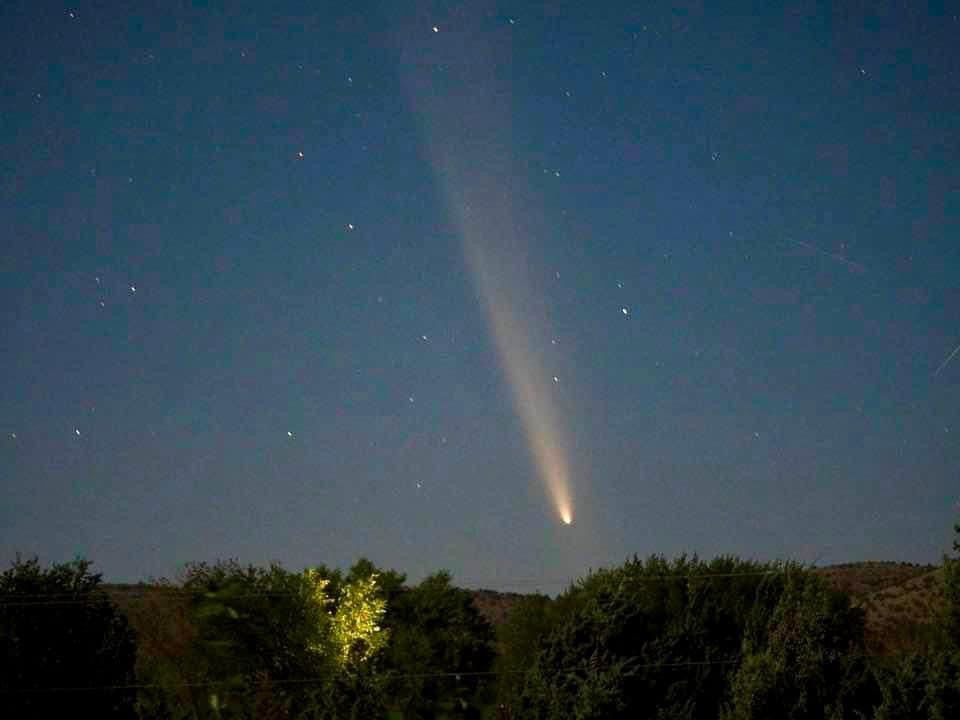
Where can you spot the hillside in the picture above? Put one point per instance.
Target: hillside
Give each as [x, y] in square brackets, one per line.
[901, 600]
[864, 578]
[495, 606]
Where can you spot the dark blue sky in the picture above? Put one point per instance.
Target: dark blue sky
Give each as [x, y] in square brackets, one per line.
[238, 320]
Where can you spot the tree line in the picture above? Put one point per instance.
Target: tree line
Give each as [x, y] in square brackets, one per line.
[652, 638]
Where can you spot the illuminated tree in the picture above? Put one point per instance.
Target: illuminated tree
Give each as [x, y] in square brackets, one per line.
[357, 631]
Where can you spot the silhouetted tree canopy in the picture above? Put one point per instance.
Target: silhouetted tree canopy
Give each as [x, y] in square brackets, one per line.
[58, 629]
[436, 629]
[808, 663]
[728, 639]
[665, 639]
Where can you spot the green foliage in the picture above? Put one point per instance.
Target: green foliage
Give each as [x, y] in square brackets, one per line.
[810, 665]
[664, 639]
[921, 687]
[265, 642]
[356, 625]
[943, 685]
[247, 628]
[518, 640]
[624, 639]
[58, 629]
[436, 629]
[903, 690]
[927, 685]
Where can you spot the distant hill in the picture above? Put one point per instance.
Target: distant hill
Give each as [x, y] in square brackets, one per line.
[495, 606]
[901, 600]
[863, 578]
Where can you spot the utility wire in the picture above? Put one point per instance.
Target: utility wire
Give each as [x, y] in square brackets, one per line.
[390, 676]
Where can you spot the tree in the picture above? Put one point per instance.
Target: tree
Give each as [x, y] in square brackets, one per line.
[266, 642]
[356, 632]
[943, 685]
[59, 629]
[650, 638]
[926, 684]
[438, 640]
[518, 639]
[665, 639]
[810, 665]
[920, 686]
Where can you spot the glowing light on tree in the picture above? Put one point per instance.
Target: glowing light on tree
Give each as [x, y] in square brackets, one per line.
[355, 626]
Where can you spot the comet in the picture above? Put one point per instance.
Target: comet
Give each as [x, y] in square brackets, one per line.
[467, 133]
[501, 286]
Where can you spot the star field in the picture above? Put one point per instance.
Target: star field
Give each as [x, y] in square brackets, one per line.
[240, 320]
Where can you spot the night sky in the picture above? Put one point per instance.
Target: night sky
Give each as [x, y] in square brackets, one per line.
[312, 281]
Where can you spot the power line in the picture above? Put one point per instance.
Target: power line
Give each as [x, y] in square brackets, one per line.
[99, 597]
[390, 676]
[644, 578]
